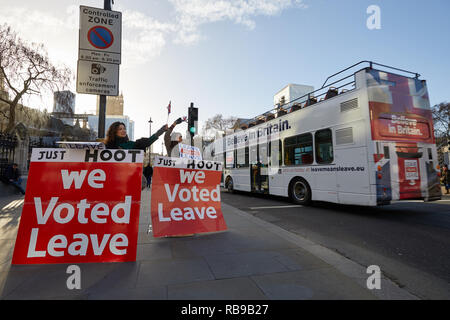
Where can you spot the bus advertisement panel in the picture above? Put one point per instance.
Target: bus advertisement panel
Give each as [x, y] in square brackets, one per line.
[399, 108]
[400, 112]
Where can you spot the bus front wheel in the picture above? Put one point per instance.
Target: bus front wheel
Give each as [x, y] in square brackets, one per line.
[229, 185]
[300, 191]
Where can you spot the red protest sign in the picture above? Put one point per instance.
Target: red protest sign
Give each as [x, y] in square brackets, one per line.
[186, 197]
[80, 206]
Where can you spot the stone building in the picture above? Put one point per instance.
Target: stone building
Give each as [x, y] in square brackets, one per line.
[114, 105]
[34, 128]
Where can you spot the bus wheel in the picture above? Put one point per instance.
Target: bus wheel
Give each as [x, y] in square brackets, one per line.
[299, 191]
[229, 185]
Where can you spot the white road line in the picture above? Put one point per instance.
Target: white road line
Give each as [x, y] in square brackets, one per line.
[277, 207]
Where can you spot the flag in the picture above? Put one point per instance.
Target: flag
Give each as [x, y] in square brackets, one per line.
[168, 108]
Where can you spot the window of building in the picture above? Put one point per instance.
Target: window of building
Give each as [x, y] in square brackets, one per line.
[324, 146]
[298, 150]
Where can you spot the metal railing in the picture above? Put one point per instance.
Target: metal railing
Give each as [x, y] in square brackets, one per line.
[8, 143]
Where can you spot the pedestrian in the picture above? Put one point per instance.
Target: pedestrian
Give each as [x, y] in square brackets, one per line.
[148, 172]
[12, 175]
[445, 177]
[172, 139]
[117, 138]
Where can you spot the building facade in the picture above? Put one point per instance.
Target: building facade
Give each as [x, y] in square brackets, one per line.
[114, 105]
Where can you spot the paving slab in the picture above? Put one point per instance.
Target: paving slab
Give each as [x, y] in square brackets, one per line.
[225, 289]
[323, 283]
[173, 271]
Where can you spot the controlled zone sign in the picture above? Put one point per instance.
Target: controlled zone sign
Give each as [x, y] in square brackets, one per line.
[81, 205]
[100, 35]
[186, 197]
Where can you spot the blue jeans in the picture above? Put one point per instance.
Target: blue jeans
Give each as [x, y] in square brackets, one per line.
[18, 184]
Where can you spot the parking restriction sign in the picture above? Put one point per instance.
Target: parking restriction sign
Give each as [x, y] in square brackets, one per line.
[100, 35]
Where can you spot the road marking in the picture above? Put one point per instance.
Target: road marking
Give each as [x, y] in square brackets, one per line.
[276, 207]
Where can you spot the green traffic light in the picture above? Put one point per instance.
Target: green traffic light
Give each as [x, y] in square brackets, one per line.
[192, 129]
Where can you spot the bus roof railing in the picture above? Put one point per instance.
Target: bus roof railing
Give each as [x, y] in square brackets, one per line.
[313, 96]
[371, 63]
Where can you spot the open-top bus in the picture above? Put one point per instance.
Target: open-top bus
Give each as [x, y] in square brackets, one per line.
[364, 139]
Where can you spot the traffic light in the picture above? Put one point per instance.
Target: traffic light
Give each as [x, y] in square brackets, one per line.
[192, 119]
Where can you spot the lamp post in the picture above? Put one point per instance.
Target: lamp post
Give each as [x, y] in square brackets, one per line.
[150, 134]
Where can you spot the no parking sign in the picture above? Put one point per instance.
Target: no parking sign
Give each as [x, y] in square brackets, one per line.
[100, 35]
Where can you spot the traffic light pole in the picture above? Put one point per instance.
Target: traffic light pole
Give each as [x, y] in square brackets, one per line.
[192, 120]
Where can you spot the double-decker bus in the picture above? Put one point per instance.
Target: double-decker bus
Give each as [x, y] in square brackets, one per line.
[365, 139]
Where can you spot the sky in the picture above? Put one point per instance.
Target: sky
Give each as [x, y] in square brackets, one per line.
[231, 57]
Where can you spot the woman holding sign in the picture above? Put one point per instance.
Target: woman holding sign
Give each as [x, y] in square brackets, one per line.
[117, 138]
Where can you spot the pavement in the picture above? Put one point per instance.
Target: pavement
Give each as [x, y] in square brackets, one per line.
[251, 260]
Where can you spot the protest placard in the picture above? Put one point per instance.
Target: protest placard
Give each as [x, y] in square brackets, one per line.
[81, 205]
[186, 197]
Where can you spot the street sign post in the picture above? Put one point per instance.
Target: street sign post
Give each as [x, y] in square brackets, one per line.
[100, 44]
[99, 51]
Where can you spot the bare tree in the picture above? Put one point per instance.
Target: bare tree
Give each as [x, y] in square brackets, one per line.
[26, 70]
[441, 120]
[217, 123]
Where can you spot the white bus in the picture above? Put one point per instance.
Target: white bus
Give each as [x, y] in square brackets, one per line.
[364, 139]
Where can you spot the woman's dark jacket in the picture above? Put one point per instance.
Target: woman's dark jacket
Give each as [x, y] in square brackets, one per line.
[125, 143]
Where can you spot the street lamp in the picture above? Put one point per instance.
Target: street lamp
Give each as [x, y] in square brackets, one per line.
[150, 134]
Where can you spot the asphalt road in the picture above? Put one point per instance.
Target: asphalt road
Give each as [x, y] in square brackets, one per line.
[410, 241]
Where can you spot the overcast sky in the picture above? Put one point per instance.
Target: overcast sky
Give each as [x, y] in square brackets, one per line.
[231, 57]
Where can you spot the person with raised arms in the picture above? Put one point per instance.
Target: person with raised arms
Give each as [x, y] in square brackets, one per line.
[117, 138]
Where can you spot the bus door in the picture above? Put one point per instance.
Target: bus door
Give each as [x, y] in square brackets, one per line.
[277, 184]
[258, 168]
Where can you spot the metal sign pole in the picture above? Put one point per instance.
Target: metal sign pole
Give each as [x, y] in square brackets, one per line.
[102, 102]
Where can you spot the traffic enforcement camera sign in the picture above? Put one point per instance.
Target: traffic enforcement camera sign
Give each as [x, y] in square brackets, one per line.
[100, 35]
[98, 78]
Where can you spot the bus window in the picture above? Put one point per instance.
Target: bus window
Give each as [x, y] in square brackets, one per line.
[324, 146]
[275, 155]
[242, 157]
[229, 161]
[263, 153]
[253, 154]
[298, 150]
[386, 152]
